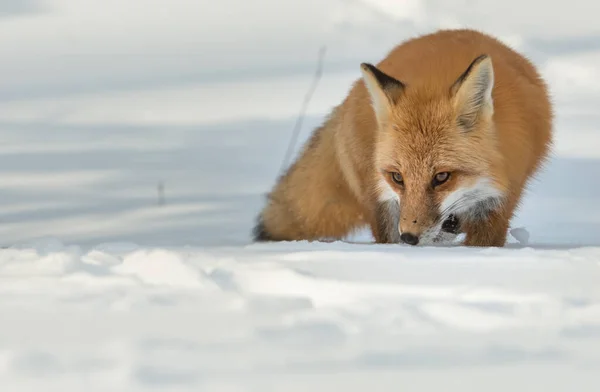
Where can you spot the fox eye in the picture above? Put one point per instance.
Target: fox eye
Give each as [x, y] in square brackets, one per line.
[397, 178]
[440, 178]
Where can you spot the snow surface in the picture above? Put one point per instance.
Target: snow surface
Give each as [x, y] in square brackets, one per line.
[131, 174]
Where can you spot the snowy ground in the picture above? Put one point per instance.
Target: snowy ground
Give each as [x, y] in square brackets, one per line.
[104, 286]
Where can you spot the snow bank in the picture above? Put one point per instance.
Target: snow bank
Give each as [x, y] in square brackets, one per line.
[295, 316]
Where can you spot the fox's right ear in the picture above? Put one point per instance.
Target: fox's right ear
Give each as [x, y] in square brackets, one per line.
[383, 89]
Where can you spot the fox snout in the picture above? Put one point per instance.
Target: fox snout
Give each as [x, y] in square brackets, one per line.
[411, 229]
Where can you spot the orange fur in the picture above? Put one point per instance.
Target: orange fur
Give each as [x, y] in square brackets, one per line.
[422, 111]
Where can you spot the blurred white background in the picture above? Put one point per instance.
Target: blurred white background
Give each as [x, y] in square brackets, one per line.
[102, 101]
[182, 61]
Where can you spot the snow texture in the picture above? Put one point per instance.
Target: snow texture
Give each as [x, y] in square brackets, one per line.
[136, 151]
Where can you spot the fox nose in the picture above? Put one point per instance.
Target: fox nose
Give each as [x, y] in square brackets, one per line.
[409, 238]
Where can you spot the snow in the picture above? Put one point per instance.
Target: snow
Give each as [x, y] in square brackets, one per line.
[108, 283]
[294, 316]
[520, 234]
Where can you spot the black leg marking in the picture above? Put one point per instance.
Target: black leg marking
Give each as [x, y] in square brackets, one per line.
[388, 215]
[260, 233]
[451, 225]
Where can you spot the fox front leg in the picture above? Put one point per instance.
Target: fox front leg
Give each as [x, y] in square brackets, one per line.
[490, 231]
[385, 222]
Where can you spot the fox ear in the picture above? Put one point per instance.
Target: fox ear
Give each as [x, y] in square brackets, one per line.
[383, 89]
[472, 92]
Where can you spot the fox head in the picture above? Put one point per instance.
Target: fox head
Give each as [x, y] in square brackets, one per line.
[436, 148]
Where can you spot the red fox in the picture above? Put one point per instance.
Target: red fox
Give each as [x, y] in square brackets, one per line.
[442, 136]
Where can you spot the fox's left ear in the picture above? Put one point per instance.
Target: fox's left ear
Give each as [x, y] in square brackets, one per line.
[383, 89]
[472, 92]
